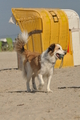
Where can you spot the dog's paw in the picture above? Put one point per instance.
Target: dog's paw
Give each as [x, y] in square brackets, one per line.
[34, 89]
[49, 91]
[40, 86]
[28, 90]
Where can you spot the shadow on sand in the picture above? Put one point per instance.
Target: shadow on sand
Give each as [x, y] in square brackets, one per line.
[26, 91]
[72, 87]
[9, 69]
[21, 91]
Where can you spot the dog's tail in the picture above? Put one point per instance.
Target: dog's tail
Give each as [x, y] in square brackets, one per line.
[21, 40]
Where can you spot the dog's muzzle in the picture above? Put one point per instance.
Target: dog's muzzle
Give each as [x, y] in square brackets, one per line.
[65, 52]
[60, 56]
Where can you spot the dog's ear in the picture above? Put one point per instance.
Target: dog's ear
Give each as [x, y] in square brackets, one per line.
[51, 48]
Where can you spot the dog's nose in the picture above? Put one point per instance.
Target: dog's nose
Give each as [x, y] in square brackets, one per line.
[65, 52]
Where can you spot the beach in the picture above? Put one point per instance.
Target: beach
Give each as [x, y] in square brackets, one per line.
[17, 104]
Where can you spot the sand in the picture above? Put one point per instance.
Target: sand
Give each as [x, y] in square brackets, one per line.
[17, 104]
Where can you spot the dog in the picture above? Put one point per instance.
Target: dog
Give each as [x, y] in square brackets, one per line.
[36, 64]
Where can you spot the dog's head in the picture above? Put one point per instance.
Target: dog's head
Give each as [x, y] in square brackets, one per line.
[57, 51]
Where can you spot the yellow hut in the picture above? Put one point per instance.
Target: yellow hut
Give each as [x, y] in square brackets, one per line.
[45, 26]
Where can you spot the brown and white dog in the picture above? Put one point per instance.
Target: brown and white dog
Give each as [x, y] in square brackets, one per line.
[37, 65]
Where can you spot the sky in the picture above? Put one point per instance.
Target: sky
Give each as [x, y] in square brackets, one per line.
[10, 30]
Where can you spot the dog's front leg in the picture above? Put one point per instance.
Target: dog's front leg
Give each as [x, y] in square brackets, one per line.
[48, 84]
[41, 82]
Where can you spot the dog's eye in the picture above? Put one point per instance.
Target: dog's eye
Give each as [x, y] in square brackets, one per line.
[58, 48]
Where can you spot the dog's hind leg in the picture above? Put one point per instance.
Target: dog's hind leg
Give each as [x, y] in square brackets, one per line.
[28, 70]
[33, 82]
[28, 84]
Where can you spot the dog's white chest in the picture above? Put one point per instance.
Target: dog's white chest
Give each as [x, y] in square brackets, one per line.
[46, 68]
